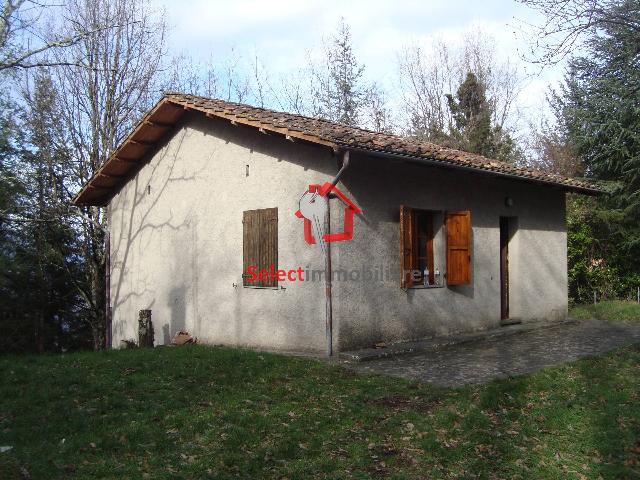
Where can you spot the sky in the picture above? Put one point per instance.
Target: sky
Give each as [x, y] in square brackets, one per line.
[281, 32]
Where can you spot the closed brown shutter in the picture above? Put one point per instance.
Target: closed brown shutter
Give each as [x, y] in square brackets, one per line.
[407, 254]
[458, 248]
[260, 245]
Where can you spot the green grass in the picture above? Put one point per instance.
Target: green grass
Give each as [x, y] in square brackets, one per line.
[203, 412]
[611, 310]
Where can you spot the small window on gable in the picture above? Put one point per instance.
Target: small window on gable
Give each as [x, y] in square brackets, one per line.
[260, 247]
[420, 247]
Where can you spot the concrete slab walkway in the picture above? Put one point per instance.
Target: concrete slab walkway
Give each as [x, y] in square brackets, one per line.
[499, 357]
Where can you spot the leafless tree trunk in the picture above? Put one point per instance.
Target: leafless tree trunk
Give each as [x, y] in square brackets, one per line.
[185, 75]
[106, 81]
[294, 93]
[425, 77]
[229, 79]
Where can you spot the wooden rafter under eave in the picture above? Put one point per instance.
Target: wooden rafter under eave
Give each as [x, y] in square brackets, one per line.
[149, 120]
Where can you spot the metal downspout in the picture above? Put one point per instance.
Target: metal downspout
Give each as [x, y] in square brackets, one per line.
[107, 292]
[327, 258]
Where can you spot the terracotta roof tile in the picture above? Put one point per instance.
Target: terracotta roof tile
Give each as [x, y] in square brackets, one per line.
[335, 135]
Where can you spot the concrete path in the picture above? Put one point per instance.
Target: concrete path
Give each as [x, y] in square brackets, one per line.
[485, 360]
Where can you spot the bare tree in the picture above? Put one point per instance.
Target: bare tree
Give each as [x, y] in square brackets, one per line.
[567, 23]
[183, 74]
[105, 82]
[25, 43]
[551, 152]
[230, 78]
[260, 82]
[330, 85]
[237, 84]
[428, 74]
[501, 78]
[548, 142]
[376, 114]
[294, 92]
[425, 77]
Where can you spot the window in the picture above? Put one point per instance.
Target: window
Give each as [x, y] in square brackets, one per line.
[260, 247]
[419, 233]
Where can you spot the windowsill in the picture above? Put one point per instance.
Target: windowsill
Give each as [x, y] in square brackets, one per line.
[425, 287]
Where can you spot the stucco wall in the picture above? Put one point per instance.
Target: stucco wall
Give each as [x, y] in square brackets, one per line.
[381, 310]
[177, 248]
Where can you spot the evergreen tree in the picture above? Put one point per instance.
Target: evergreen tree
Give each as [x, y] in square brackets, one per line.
[599, 109]
[601, 101]
[338, 92]
[40, 308]
[472, 130]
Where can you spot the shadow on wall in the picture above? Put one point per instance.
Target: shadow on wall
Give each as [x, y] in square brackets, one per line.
[382, 185]
[133, 286]
[142, 217]
[177, 306]
[240, 306]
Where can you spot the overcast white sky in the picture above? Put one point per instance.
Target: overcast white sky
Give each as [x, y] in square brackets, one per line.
[282, 31]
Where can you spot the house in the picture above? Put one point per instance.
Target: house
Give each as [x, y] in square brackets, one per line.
[202, 199]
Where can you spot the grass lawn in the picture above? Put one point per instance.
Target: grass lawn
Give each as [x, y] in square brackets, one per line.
[611, 310]
[203, 412]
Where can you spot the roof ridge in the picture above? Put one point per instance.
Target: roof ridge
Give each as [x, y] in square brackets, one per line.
[282, 112]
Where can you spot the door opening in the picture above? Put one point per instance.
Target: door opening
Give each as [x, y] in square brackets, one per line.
[504, 268]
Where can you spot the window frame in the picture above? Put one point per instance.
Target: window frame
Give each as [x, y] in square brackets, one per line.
[411, 255]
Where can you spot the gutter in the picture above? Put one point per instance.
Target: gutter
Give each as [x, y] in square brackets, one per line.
[327, 258]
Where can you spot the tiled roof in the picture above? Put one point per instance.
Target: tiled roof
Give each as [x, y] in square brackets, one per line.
[132, 154]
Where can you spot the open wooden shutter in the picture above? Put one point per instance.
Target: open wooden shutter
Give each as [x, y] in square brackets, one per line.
[260, 245]
[458, 248]
[407, 253]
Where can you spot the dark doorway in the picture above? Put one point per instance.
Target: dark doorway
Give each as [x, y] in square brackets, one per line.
[504, 268]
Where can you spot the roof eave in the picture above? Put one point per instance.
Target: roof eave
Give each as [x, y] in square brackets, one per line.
[169, 110]
[474, 169]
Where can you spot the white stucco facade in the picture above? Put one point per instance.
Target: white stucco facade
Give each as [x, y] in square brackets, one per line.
[176, 245]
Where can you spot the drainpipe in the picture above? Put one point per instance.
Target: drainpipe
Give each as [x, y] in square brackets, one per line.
[107, 291]
[327, 258]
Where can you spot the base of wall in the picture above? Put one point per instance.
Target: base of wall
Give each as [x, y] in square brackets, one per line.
[510, 321]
